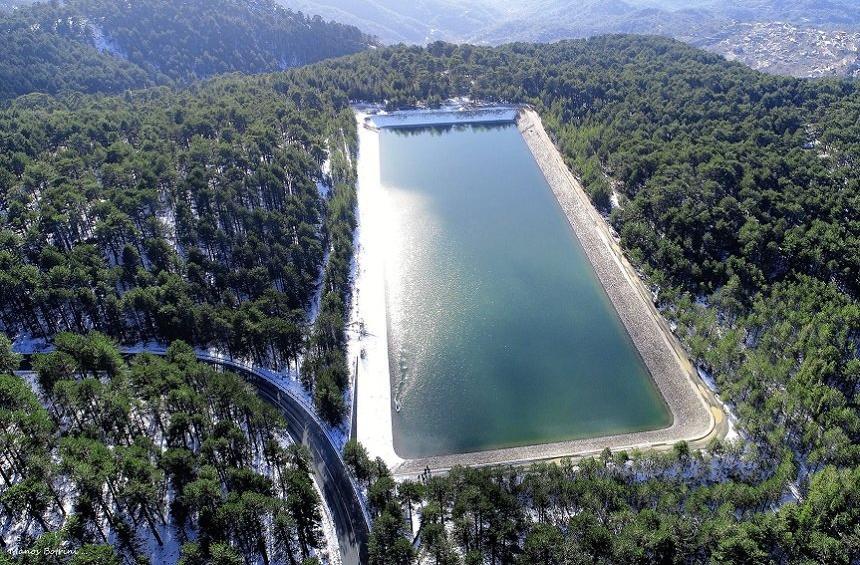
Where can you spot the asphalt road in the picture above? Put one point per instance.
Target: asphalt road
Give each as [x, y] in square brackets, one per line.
[331, 474]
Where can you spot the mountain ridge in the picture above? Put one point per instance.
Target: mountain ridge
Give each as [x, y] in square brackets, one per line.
[106, 46]
[694, 22]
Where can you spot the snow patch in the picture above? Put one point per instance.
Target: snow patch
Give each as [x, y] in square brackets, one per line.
[368, 333]
[104, 43]
[416, 118]
[332, 556]
[731, 418]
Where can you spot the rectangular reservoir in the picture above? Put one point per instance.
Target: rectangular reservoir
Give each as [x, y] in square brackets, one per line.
[499, 332]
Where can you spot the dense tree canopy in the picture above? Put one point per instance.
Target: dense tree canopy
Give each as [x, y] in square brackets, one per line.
[203, 214]
[199, 38]
[109, 46]
[44, 53]
[737, 194]
[675, 508]
[106, 456]
[209, 214]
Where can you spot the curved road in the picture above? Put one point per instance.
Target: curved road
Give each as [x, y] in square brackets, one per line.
[331, 473]
[351, 520]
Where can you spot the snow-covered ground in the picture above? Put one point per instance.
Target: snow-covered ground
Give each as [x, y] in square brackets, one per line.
[332, 554]
[104, 43]
[731, 418]
[324, 189]
[368, 340]
[26, 344]
[454, 114]
[324, 184]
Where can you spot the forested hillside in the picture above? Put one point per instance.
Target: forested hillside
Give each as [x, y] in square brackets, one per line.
[737, 196]
[722, 506]
[421, 21]
[118, 461]
[109, 46]
[195, 214]
[42, 52]
[803, 38]
[201, 38]
[203, 215]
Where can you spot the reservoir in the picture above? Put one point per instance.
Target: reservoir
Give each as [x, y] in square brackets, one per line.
[499, 332]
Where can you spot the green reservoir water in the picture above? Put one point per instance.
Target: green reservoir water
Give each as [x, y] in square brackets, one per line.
[500, 334]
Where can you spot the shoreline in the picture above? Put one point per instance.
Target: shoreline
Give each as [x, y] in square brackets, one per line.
[368, 338]
[671, 369]
[697, 416]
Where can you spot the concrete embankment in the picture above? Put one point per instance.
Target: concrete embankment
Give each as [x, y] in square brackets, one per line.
[696, 415]
[690, 402]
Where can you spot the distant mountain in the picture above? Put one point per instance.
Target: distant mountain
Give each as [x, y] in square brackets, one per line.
[750, 31]
[11, 4]
[819, 13]
[787, 49]
[551, 20]
[109, 45]
[419, 21]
